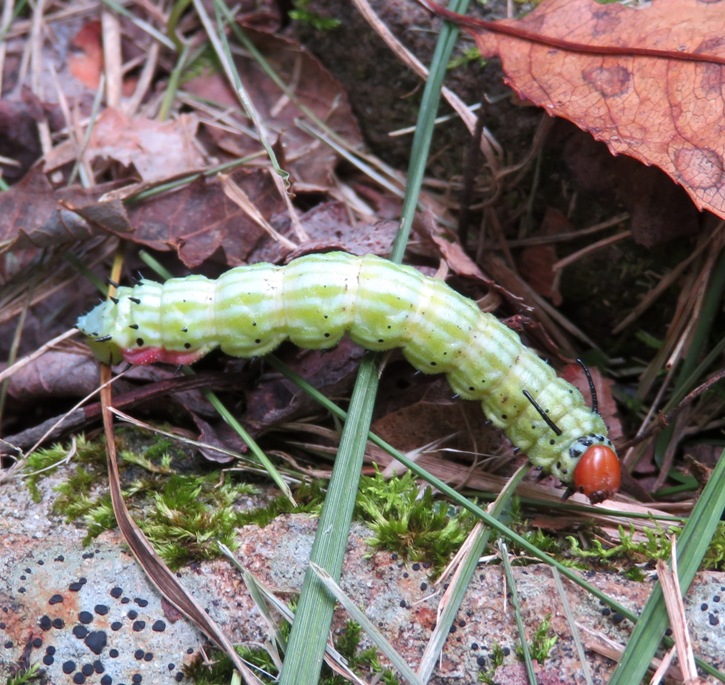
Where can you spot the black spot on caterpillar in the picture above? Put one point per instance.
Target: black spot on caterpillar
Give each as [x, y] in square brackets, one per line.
[316, 299]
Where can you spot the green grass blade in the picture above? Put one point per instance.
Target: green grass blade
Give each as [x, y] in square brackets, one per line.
[311, 626]
[691, 548]
[314, 613]
[516, 605]
[376, 637]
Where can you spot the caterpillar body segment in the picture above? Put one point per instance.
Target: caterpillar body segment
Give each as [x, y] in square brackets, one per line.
[317, 299]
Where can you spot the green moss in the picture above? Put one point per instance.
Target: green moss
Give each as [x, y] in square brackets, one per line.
[304, 15]
[409, 521]
[644, 546]
[184, 514]
[33, 674]
[191, 515]
[498, 653]
[218, 669]
[542, 642]
[44, 462]
[715, 556]
[363, 662]
[309, 498]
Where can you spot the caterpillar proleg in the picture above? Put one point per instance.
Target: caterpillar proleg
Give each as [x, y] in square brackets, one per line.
[317, 299]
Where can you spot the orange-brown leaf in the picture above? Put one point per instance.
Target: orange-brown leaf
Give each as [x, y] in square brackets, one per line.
[648, 82]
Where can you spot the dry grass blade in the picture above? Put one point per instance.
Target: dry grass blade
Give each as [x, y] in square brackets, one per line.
[368, 626]
[676, 610]
[157, 571]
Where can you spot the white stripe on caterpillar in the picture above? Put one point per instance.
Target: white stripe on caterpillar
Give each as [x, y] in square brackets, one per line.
[317, 299]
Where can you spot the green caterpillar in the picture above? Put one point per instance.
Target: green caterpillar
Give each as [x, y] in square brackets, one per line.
[317, 299]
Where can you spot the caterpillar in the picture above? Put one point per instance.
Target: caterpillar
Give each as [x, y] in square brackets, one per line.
[317, 299]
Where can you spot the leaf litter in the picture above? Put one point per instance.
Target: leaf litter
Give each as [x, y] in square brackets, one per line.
[131, 154]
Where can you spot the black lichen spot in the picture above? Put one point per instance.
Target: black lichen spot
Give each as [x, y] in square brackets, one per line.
[98, 666]
[44, 623]
[713, 620]
[75, 587]
[158, 626]
[138, 654]
[179, 677]
[101, 609]
[85, 617]
[116, 592]
[96, 641]
[149, 656]
[116, 625]
[55, 599]
[80, 631]
[138, 626]
[68, 667]
[106, 680]
[141, 602]
[48, 660]
[79, 678]
[58, 623]
[136, 678]
[113, 653]
[87, 669]
[132, 614]
[37, 642]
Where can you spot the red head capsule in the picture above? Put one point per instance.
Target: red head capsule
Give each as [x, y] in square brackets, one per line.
[598, 474]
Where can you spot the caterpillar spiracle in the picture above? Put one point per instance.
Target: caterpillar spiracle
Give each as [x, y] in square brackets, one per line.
[317, 299]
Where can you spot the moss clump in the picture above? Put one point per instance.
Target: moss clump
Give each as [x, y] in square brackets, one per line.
[411, 522]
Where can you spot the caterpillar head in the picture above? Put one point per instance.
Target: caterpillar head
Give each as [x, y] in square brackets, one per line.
[96, 326]
[597, 474]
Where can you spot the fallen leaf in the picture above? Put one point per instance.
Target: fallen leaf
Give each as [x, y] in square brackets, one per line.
[647, 82]
[157, 149]
[32, 214]
[196, 221]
